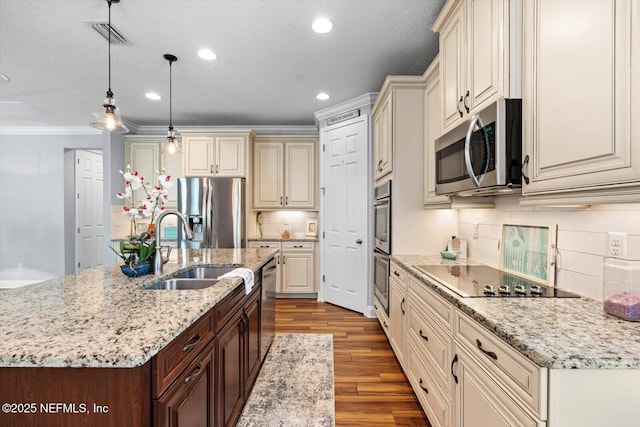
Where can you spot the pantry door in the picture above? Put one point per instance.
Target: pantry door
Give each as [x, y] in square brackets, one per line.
[90, 241]
[345, 245]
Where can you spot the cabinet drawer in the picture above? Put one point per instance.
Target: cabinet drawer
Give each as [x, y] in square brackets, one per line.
[225, 309]
[433, 399]
[172, 359]
[382, 316]
[297, 246]
[397, 272]
[523, 377]
[261, 244]
[433, 304]
[432, 341]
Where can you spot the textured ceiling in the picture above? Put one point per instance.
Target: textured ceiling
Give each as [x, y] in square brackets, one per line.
[270, 63]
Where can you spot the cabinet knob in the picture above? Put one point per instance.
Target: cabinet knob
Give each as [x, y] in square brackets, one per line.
[359, 241]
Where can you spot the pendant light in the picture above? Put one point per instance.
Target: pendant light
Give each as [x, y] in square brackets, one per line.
[171, 146]
[110, 119]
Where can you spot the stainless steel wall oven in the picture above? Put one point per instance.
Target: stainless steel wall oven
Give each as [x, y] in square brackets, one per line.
[382, 247]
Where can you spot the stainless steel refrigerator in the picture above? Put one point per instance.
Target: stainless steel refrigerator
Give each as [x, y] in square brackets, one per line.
[215, 210]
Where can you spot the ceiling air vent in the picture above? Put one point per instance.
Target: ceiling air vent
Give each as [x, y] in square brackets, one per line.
[102, 27]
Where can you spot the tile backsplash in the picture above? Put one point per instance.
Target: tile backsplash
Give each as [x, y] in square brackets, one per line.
[582, 238]
[274, 222]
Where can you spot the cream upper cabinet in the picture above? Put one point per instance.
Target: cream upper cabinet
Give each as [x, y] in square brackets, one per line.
[285, 172]
[479, 57]
[383, 137]
[581, 89]
[144, 154]
[216, 153]
[432, 130]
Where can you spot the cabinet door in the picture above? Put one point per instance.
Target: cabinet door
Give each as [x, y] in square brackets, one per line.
[452, 68]
[252, 316]
[199, 152]
[433, 130]
[173, 165]
[144, 158]
[481, 402]
[189, 402]
[485, 53]
[229, 357]
[397, 318]
[383, 143]
[297, 272]
[230, 156]
[581, 90]
[300, 174]
[268, 186]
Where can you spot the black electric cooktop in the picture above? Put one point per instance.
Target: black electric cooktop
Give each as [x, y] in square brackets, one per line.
[484, 281]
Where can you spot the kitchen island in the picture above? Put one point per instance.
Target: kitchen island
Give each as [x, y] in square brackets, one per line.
[514, 361]
[85, 349]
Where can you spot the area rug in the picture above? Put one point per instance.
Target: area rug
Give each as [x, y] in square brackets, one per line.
[295, 385]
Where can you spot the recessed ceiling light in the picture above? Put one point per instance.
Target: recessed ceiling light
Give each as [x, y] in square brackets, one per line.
[322, 25]
[153, 96]
[323, 96]
[207, 54]
[4, 78]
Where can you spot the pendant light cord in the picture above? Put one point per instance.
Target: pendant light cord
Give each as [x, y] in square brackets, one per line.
[109, 93]
[170, 97]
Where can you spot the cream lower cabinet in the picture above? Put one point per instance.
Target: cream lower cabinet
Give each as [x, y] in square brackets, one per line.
[581, 129]
[398, 312]
[382, 316]
[210, 153]
[296, 266]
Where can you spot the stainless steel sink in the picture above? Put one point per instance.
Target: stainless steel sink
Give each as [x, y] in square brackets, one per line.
[181, 284]
[205, 272]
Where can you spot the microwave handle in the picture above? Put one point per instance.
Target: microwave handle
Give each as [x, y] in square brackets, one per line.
[467, 150]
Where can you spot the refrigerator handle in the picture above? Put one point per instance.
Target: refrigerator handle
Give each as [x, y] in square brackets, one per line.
[206, 232]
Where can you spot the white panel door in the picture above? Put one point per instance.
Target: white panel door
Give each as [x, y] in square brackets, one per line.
[345, 211]
[90, 241]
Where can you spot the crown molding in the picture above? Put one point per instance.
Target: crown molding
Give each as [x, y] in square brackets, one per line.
[258, 130]
[365, 102]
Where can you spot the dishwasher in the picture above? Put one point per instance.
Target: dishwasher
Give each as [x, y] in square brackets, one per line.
[268, 315]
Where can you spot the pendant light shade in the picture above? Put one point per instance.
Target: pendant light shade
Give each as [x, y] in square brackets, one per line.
[110, 119]
[171, 146]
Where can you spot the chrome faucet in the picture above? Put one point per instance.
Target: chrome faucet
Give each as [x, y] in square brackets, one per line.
[159, 260]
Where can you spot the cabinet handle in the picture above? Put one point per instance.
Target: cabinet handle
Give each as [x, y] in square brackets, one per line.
[375, 306]
[245, 324]
[424, 337]
[196, 372]
[385, 324]
[211, 169]
[194, 341]
[458, 106]
[396, 273]
[286, 200]
[264, 246]
[423, 387]
[217, 169]
[284, 260]
[380, 166]
[525, 178]
[298, 246]
[280, 200]
[402, 306]
[359, 241]
[453, 362]
[491, 354]
[465, 102]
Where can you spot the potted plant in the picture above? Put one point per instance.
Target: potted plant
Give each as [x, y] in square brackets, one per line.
[137, 252]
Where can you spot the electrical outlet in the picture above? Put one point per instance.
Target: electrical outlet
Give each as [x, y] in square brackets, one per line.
[475, 230]
[285, 221]
[617, 246]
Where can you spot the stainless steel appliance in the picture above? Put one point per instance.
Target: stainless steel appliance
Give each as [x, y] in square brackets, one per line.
[268, 314]
[485, 281]
[382, 238]
[484, 155]
[215, 211]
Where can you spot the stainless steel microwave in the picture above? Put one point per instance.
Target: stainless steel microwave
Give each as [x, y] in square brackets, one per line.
[483, 155]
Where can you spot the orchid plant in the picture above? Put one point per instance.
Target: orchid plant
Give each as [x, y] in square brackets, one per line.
[140, 248]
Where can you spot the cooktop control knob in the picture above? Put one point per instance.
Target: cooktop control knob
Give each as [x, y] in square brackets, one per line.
[535, 290]
[520, 290]
[489, 291]
[504, 290]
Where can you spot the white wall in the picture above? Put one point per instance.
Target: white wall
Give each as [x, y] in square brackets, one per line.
[32, 189]
[582, 238]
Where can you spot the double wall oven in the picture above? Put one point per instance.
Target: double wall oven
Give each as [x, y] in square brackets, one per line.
[382, 238]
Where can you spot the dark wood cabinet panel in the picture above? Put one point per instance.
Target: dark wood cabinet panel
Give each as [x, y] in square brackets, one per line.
[252, 314]
[229, 359]
[190, 401]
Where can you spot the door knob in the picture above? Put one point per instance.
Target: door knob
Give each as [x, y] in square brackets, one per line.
[359, 241]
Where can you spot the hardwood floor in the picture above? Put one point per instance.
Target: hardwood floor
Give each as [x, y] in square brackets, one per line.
[370, 387]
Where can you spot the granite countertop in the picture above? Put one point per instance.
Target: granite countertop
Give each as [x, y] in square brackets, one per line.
[100, 317]
[557, 333]
[281, 239]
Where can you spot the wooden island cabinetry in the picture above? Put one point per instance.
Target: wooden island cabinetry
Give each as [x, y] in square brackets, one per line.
[201, 378]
